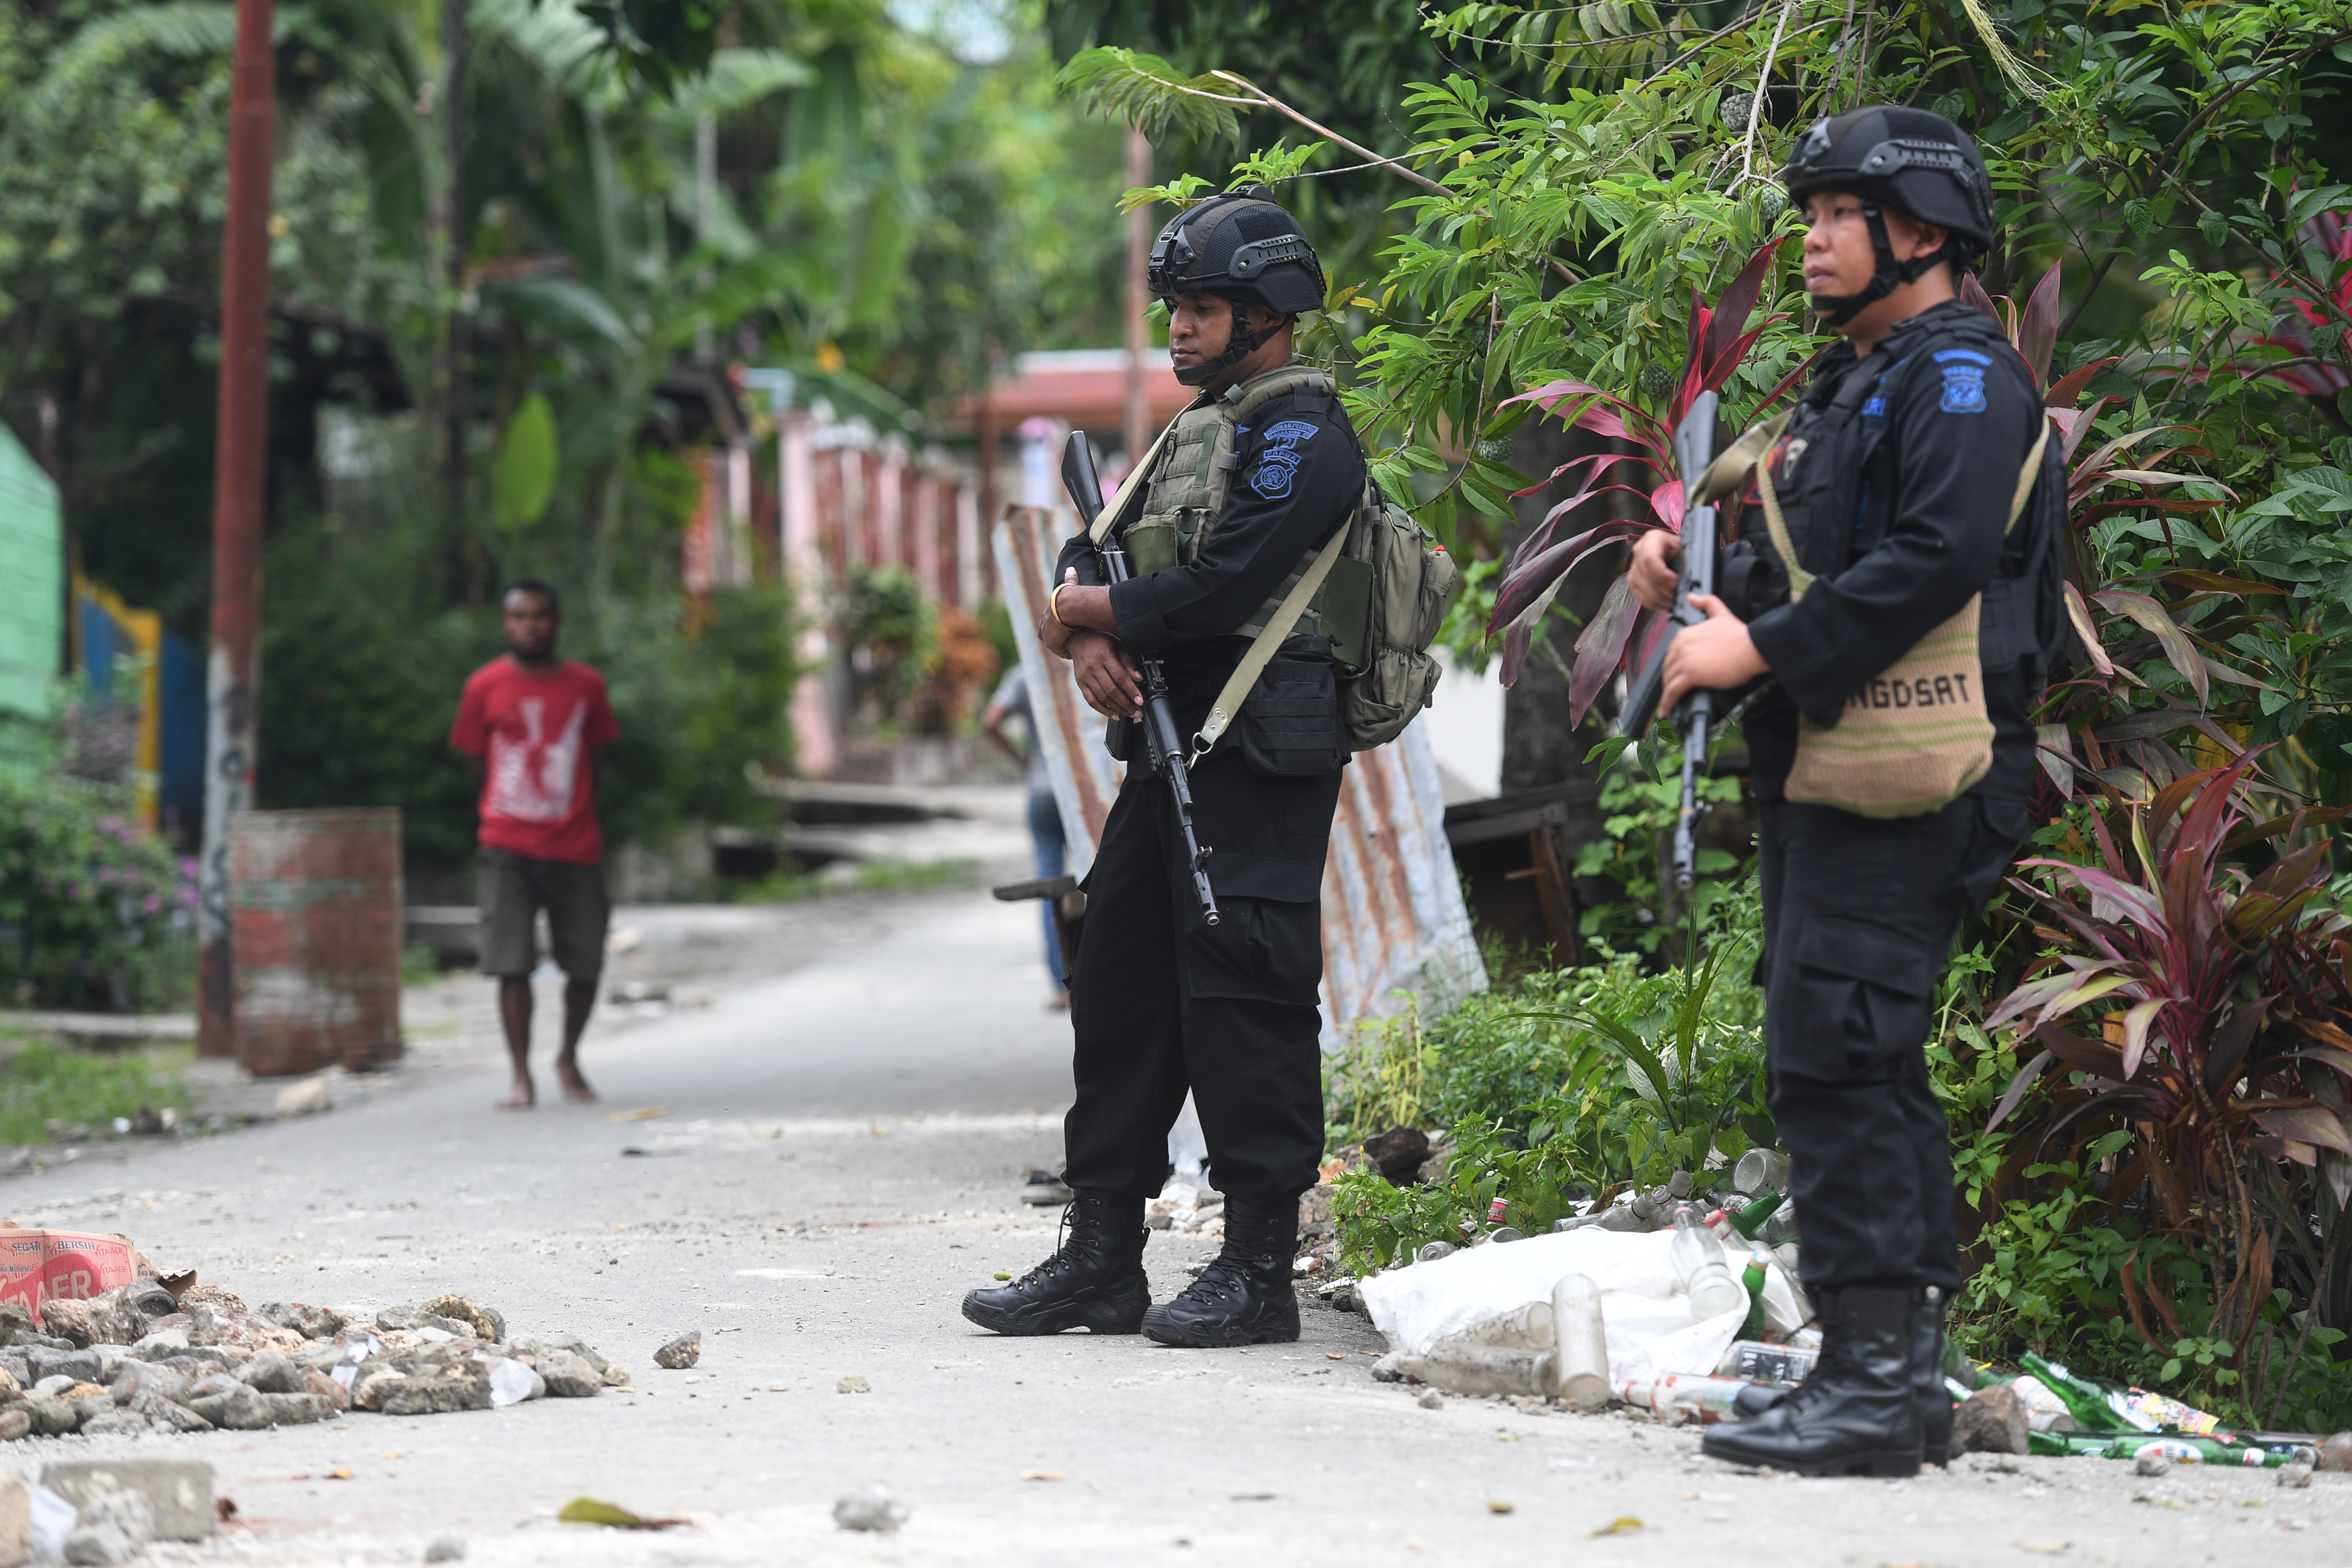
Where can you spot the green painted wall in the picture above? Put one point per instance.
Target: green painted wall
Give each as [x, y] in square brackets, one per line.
[32, 582]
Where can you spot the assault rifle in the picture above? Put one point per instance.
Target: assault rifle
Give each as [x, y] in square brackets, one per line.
[1694, 714]
[1161, 739]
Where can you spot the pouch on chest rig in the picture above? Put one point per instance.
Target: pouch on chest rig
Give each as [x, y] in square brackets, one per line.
[1186, 497]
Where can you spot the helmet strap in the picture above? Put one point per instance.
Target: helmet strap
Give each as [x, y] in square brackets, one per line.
[1838, 310]
[1245, 340]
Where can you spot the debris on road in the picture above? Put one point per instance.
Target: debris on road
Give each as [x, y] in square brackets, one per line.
[133, 1360]
[854, 1385]
[870, 1507]
[611, 1515]
[680, 1353]
[1045, 1189]
[446, 1549]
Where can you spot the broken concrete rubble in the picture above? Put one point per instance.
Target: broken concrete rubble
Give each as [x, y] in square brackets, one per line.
[200, 1364]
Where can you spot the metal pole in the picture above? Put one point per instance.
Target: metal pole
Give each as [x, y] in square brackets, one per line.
[232, 677]
[1139, 248]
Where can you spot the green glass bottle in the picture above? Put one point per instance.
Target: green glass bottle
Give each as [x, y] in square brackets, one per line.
[2085, 1400]
[1751, 1218]
[1753, 1278]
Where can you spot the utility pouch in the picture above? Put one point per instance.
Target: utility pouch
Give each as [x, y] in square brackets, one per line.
[1290, 725]
[1916, 738]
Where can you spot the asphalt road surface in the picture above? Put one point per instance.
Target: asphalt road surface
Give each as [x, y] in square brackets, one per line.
[850, 1091]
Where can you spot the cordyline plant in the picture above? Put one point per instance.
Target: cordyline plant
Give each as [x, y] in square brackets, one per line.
[1533, 576]
[2209, 1063]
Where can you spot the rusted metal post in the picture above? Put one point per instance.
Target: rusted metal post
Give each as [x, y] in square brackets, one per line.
[232, 734]
[1138, 246]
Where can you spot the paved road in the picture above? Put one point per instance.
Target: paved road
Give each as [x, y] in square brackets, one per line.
[853, 1087]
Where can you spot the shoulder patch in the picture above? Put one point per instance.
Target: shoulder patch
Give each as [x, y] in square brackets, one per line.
[1964, 388]
[1945, 356]
[1279, 465]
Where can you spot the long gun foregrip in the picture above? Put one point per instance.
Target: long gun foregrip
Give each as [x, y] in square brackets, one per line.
[1162, 739]
[1693, 450]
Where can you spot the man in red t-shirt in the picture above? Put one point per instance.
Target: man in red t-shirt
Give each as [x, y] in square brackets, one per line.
[530, 726]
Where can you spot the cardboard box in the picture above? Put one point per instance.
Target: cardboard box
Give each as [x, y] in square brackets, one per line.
[41, 1266]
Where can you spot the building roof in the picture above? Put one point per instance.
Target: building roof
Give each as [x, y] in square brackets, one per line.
[1084, 388]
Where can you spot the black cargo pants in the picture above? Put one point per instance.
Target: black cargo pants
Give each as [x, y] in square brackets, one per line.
[1859, 916]
[1161, 1003]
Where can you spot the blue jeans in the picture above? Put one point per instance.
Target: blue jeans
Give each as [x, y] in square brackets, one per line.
[1046, 837]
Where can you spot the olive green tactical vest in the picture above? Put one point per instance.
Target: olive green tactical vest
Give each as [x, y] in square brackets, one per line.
[1186, 495]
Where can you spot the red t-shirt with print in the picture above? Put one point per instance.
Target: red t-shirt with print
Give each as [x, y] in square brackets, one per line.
[537, 736]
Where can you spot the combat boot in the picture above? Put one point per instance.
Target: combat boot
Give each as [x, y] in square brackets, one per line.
[1246, 1296]
[1927, 1347]
[1928, 1376]
[1094, 1280]
[1858, 1413]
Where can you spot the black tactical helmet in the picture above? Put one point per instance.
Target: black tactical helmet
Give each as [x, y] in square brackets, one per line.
[1242, 246]
[1910, 160]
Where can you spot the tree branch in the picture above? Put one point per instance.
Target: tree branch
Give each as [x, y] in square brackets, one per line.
[1268, 100]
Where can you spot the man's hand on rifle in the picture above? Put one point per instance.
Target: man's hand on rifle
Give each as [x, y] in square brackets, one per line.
[1073, 608]
[1656, 571]
[1716, 654]
[1112, 683]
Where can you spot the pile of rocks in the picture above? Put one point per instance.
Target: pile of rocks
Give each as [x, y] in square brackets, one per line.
[137, 1360]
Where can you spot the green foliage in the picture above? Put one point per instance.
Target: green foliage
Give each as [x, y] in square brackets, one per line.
[874, 876]
[522, 479]
[95, 910]
[44, 1085]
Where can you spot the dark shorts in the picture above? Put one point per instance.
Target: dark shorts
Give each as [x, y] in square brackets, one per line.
[514, 889]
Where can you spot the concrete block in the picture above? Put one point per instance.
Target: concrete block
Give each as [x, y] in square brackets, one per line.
[178, 1491]
[15, 1522]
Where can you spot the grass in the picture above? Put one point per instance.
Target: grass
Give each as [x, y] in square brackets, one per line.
[874, 876]
[42, 1083]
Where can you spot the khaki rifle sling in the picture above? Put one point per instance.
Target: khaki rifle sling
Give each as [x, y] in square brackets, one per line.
[1263, 647]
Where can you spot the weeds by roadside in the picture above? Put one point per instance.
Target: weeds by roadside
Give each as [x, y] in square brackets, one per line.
[874, 876]
[47, 1088]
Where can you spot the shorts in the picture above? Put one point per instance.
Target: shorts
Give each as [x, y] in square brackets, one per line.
[515, 888]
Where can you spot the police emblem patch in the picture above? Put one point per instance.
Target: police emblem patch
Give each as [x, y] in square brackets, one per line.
[1279, 465]
[1963, 389]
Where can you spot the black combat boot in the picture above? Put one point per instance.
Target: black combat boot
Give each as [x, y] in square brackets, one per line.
[1928, 1375]
[1858, 1412]
[1094, 1279]
[1245, 1297]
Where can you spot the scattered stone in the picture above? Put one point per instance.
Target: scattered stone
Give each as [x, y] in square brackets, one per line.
[111, 1528]
[1398, 1153]
[869, 1507]
[680, 1353]
[15, 1519]
[854, 1385]
[51, 1387]
[115, 1423]
[245, 1409]
[373, 1386]
[308, 1098]
[615, 1376]
[1991, 1421]
[81, 1366]
[577, 1346]
[150, 1300]
[568, 1376]
[166, 1416]
[14, 1321]
[2336, 1451]
[311, 1322]
[161, 1344]
[300, 1409]
[317, 1382]
[16, 1421]
[142, 1378]
[481, 1321]
[446, 1549]
[2152, 1465]
[1431, 1399]
[2297, 1473]
[88, 1400]
[51, 1418]
[179, 1492]
[436, 1396]
[214, 1296]
[272, 1372]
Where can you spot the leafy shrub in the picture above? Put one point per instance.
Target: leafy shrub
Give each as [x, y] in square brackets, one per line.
[44, 1083]
[95, 910]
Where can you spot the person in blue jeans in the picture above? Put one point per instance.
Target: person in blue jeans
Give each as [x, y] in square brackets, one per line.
[1010, 700]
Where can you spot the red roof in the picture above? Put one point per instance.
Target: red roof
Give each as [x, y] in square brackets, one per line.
[1084, 388]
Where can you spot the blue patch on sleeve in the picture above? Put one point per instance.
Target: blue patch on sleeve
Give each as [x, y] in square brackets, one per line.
[1279, 465]
[1964, 390]
[1945, 356]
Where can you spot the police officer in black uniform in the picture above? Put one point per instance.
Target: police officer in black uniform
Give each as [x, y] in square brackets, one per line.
[1253, 479]
[1897, 480]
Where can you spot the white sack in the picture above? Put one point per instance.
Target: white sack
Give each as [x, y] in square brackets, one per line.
[1645, 1309]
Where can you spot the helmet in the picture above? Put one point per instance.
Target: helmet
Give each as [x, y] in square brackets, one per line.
[1243, 247]
[1913, 161]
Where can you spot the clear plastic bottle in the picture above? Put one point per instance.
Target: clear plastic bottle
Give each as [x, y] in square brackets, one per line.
[1698, 1259]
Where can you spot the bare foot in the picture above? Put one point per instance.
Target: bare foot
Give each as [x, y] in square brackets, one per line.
[576, 1088]
[521, 1097]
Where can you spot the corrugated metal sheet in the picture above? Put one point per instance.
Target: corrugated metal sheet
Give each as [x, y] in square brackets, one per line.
[315, 932]
[1393, 918]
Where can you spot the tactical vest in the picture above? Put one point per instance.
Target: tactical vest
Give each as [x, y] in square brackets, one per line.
[1185, 499]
